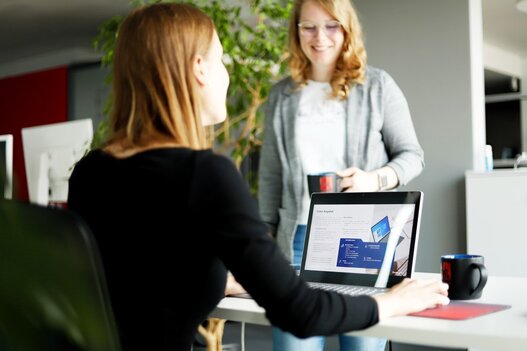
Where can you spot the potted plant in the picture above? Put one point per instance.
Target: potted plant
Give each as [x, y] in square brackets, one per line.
[254, 38]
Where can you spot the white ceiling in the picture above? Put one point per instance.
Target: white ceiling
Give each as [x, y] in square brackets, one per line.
[37, 27]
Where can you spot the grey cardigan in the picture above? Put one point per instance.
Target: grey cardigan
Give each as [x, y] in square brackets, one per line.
[379, 132]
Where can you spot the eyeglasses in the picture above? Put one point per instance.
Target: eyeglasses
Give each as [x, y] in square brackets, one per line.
[310, 29]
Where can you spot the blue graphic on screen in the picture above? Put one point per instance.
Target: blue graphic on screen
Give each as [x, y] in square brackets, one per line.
[359, 254]
[380, 229]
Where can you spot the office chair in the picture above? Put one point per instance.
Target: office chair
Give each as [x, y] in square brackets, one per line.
[53, 294]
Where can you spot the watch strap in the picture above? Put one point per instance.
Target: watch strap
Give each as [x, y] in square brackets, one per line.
[383, 181]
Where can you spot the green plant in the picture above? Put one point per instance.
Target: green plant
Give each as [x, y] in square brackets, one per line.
[254, 38]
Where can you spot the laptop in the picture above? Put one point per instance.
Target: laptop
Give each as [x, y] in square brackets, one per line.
[361, 243]
[381, 231]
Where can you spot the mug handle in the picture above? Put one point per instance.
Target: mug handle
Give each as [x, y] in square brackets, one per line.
[482, 278]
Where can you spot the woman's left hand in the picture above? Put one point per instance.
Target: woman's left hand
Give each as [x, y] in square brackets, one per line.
[355, 179]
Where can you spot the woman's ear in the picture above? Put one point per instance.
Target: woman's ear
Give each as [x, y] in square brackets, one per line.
[199, 70]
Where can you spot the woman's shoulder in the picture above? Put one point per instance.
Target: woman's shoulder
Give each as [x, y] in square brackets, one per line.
[200, 159]
[162, 157]
[93, 155]
[375, 75]
[207, 159]
[284, 85]
[215, 171]
[89, 164]
[378, 81]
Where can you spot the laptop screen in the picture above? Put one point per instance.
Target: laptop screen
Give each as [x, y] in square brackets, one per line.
[365, 239]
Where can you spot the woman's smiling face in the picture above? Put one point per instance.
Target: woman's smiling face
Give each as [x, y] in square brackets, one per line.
[321, 37]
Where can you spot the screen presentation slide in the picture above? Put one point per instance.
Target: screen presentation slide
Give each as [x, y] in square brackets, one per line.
[353, 238]
[357, 253]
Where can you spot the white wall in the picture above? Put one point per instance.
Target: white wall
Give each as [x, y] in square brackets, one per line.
[433, 49]
[502, 61]
[87, 92]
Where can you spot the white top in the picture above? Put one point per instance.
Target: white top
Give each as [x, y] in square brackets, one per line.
[320, 135]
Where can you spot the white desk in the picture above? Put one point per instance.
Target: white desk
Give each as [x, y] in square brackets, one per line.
[504, 330]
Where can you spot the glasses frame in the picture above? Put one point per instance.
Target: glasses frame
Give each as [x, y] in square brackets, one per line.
[319, 26]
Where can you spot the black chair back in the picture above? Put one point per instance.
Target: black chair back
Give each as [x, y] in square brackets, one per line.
[53, 294]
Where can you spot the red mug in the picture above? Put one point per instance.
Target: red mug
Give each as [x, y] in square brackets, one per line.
[327, 182]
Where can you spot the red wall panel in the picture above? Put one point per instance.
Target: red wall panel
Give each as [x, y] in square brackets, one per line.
[30, 100]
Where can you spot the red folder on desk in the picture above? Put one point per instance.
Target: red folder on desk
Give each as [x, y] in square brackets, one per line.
[457, 310]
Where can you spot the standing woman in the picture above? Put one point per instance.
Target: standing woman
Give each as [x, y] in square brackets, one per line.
[334, 113]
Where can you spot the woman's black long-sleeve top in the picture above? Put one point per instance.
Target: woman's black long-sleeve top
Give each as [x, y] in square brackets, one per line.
[169, 223]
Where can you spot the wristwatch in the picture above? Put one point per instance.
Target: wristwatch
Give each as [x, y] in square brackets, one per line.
[383, 181]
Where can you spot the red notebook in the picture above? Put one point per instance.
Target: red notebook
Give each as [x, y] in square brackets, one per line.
[460, 310]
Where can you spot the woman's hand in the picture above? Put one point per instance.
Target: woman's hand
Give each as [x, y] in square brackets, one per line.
[233, 287]
[355, 179]
[411, 296]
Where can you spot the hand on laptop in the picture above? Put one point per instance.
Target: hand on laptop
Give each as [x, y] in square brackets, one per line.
[411, 296]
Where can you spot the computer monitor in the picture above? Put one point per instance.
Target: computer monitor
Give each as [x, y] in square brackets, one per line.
[50, 152]
[6, 166]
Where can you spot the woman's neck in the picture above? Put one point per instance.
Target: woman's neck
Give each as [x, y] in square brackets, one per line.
[321, 74]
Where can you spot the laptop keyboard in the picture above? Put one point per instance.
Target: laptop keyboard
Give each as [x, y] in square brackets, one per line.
[348, 289]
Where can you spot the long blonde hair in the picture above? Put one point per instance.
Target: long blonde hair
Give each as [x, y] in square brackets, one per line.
[155, 93]
[351, 64]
